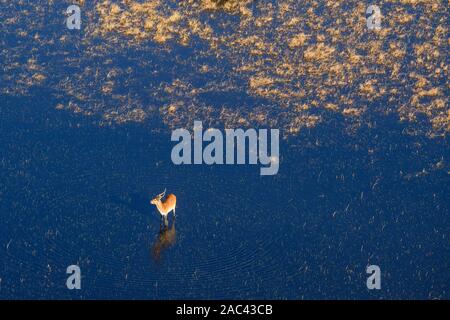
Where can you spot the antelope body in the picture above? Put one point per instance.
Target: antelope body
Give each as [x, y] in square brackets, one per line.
[164, 207]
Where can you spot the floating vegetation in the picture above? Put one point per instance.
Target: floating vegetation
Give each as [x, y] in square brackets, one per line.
[285, 64]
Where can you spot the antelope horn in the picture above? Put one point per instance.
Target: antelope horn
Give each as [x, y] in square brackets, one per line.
[162, 194]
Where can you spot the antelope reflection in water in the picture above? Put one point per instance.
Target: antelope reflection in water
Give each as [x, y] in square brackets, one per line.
[166, 206]
[166, 239]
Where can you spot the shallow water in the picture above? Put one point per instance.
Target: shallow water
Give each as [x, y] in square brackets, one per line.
[74, 193]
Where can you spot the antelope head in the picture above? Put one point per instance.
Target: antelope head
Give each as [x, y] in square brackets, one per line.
[158, 198]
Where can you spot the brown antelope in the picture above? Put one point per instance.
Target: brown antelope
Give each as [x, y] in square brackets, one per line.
[164, 207]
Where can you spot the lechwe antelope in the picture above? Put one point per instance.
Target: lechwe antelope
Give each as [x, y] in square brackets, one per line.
[164, 207]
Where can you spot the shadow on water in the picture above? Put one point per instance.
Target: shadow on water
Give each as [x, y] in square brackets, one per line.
[166, 238]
